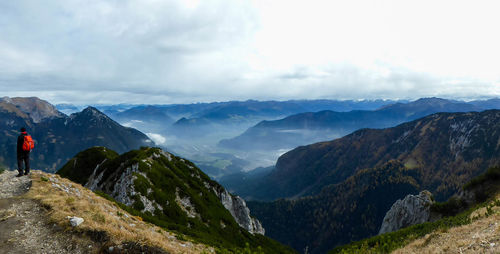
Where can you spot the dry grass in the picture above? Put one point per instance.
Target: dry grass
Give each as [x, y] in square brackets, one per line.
[481, 236]
[65, 198]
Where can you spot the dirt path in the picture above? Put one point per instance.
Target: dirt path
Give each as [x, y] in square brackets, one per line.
[24, 227]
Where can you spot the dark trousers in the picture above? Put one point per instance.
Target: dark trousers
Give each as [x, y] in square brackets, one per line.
[26, 159]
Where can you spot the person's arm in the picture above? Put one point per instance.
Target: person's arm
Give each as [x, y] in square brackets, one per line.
[20, 140]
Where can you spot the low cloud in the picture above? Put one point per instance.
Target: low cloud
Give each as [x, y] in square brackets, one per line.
[157, 138]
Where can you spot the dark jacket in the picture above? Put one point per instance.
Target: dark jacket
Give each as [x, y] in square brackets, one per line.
[20, 141]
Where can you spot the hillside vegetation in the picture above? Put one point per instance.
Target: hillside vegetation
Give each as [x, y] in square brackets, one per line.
[167, 191]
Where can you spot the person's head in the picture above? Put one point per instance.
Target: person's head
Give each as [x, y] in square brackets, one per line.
[23, 129]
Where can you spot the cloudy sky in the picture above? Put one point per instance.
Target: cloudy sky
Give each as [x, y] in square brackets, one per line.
[164, 51]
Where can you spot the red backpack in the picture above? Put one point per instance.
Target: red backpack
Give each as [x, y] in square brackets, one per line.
[28, 143]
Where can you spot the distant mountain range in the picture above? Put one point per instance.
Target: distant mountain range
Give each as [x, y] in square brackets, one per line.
[224, 138]
[193, 130]
[231, 112]
[307, 128]
[248, 111]
[59, 137]
[340, 190]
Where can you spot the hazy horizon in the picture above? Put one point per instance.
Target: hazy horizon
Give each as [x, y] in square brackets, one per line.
[482, 98]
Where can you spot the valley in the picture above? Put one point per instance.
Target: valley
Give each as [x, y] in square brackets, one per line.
[200, 127]
[226, 138]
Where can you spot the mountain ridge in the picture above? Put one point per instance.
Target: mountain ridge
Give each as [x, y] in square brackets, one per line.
[403, 142]
[310, 127]
[170, 192]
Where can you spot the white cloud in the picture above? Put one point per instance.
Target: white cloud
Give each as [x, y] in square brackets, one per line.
[154, 51]
[157, 138]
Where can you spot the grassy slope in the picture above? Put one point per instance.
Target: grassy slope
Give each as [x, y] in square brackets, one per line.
[104, 220]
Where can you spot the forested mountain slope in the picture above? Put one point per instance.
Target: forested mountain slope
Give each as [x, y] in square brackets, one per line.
[445, 149]
[342, 189]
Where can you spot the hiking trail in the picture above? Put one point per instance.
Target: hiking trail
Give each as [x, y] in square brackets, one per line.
[24, 223]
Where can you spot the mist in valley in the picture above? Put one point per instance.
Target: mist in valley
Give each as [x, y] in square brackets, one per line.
[231, 138]
[200, 145]
[198, 131]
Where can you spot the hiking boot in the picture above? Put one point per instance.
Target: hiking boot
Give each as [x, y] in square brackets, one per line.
[26, 173]
[19, 175]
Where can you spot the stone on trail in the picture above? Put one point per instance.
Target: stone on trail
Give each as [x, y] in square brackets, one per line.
[75, 221]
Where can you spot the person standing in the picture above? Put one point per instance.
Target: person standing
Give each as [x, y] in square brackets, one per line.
[23, 152]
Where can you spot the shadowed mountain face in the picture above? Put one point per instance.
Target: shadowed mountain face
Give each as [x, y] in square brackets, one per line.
[307, 128]
[235, 117]
[59, 137]
[487, 104]
[242, 112]
[343, 188]
[435, 145]
[343, 212]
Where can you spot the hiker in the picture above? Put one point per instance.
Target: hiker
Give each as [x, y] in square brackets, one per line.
[24, 145]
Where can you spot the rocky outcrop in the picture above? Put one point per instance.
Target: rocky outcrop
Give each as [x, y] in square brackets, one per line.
[413, 209]
[239, 210]
[120, 185]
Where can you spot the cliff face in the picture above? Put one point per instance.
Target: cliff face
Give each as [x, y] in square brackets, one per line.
[413, 209]
[239, 210]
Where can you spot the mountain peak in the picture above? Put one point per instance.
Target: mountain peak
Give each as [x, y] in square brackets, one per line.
[36, 108]
[430, 100]
[92, 113]
[426, 106]
[92, 110]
